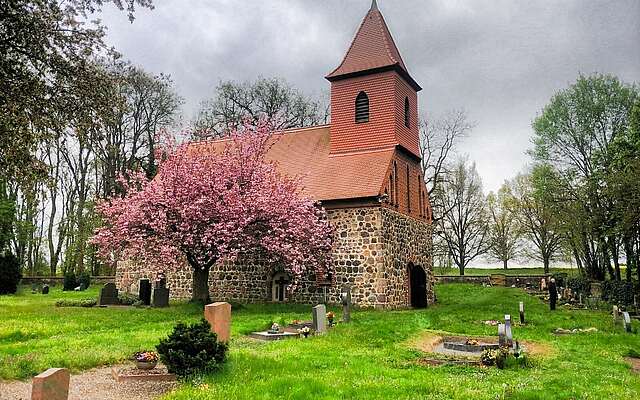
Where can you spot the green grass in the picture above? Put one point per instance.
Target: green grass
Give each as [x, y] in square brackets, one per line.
[509, 271]
[367, 359]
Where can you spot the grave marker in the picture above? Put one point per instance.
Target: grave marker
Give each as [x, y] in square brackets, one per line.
[616, 314]
[507, 329]
[45, 289]
[160, 294]
[219, 316]
[144, 291]
[108, 295]
[502, 338]
[52, 384]
[320, 318]
[626, 319]
[522, 312]
[345, 296]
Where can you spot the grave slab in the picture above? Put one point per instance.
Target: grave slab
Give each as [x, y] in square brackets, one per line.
[52, 384]
[219, 316]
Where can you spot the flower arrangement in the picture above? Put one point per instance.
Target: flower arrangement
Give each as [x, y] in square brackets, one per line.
[304, 331]
[330, 317]
[146, 356]
[275, 328]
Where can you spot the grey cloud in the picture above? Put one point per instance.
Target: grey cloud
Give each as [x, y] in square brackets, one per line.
[499, 60]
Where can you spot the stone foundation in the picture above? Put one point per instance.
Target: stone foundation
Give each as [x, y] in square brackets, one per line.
[373, 249]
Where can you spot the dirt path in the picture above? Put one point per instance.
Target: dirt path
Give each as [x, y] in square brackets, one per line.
[94, 384]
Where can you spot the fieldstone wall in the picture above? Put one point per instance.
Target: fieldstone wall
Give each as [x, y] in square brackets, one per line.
[372, 250]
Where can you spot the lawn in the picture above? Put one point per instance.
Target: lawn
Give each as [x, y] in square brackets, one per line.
[368, 359]
[510, 271]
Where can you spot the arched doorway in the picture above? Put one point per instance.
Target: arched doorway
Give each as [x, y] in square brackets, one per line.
[279, 285]
[417, 286]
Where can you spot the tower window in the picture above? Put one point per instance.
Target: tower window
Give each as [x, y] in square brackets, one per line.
[408, 191]
[362, 107]
[407, 113]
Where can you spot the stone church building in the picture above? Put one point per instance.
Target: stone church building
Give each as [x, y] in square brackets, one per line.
[364, 168]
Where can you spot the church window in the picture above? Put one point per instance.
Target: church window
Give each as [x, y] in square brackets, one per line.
[279, 284]
[362, 107]
[407, 113]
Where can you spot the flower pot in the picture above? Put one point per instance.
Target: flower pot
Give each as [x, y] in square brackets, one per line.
[146, 364]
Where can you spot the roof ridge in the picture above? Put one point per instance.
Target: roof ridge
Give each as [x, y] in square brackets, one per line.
[353, 41]
[387, 45]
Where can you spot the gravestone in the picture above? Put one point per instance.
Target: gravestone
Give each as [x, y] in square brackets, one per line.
[144, 291]
[507, 329]
[133, 289]
[320, 318]
[160, 294]
[219, 317]
[522, 312]
[52, 384]
[345, 296]
[108, 295]
[45, 289]
[616, 314]
[580, 298]
[502, 337]
[543, 285]
[626, 320]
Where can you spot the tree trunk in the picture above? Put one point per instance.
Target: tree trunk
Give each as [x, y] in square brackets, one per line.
[461, 267]
[505, 263]
[545, 261]
[201, 285]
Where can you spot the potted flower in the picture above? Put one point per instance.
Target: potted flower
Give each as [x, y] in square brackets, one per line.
[275, 328]
[304, 331]
[330, 317]
[146, 359]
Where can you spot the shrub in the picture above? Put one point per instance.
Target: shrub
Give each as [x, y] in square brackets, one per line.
[69, 282]
[76, 303]
[579, 285]
[128, 299]
[192, 349]
[9, 274]
[84, 280]
[617, 292]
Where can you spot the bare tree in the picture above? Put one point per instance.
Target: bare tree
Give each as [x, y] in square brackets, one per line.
[270, 98]
[505, 234]
[438, 139]
[464, 227]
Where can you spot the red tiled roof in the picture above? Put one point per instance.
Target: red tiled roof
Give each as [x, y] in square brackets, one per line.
[304, 153]
[373, 47]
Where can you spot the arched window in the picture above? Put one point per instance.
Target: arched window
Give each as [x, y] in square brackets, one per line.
[407, 113]
[362, 107]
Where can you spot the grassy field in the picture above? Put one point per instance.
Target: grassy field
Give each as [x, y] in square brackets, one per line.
[509, 271]
[371, 358]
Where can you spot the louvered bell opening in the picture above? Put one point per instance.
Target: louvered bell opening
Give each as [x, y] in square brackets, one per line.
[406, 112]
[362, 108]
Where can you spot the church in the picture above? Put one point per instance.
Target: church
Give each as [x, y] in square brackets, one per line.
[365, 170]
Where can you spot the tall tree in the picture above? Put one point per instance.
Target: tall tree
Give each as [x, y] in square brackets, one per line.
[505, 233]
[535, 201]
[574, 134]
[211, 204]
[272, 99]
[464, 228]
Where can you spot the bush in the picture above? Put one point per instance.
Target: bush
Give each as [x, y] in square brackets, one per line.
[9, 274]
[192, 349]
[84, 280]
[579, 285]
[76, 303]
[127, 299]
[617, 292]
[69, 282]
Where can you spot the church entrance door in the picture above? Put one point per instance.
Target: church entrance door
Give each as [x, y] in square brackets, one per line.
[279, 285]
[417, 286]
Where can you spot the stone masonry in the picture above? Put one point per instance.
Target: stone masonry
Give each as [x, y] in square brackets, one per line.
[373, 249]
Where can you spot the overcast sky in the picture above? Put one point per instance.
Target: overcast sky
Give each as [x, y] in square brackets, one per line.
[501, 61]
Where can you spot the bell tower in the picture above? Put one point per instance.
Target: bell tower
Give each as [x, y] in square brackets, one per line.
[374, 101]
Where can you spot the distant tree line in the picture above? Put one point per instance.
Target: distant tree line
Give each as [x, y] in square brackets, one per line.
[578, 202]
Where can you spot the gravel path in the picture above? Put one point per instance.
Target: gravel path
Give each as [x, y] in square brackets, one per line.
[94, 384]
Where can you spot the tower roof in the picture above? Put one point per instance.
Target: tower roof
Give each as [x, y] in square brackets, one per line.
[372, 50]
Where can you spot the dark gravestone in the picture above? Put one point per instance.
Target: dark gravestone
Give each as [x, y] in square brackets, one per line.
[553, 294]
[160, 294]
[108, 295]
[45, 289]
[522, 312]
[144, 292]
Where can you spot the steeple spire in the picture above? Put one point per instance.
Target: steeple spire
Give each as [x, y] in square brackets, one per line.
[374, 5]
